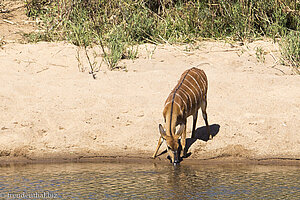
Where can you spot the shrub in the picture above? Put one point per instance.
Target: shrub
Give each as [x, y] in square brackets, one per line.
[117, 25]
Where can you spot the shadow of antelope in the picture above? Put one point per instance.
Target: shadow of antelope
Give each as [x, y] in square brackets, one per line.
[201, 134]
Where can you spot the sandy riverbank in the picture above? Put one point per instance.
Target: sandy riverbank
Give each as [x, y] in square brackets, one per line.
[50, 110]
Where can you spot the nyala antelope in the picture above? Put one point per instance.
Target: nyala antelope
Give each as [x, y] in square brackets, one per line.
[185, 100]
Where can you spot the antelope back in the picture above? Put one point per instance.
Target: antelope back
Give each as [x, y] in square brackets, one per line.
[186, 98]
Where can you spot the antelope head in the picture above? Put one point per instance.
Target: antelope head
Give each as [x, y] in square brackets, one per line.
[171, 139]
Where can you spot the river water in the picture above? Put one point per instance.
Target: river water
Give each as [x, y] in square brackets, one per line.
[148, 181]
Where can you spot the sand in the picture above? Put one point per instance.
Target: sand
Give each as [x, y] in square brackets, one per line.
[51, 108]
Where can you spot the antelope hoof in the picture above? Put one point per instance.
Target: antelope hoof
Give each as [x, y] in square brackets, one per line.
[183, 154]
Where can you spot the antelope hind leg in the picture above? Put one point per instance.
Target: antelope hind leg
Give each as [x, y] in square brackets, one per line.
[207, 126]
[195, 116]
[204, 114]
[160, 141]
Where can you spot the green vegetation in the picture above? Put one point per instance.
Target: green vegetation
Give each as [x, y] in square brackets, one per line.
[119, 25]
[290, 50]
[260, 54]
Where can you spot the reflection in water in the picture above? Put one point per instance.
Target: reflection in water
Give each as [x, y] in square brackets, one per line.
[127, 181]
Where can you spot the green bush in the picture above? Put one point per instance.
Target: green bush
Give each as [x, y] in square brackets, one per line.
[290, 49]
[117, 25]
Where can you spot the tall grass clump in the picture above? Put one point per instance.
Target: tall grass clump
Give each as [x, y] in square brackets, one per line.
[290, 49]
[119, 25]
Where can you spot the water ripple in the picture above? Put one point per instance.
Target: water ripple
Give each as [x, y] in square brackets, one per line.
[138, 181]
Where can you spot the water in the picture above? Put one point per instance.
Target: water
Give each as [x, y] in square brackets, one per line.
[148, 181]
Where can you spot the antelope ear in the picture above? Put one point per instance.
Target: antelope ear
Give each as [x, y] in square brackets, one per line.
[162, 131]
[180, 131]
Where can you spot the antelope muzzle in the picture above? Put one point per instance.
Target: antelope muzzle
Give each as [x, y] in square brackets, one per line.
[176, 158]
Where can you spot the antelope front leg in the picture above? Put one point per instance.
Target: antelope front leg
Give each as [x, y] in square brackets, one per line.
[183, 140]
[160, 141]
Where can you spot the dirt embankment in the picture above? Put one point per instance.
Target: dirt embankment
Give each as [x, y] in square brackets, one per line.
[49, 110]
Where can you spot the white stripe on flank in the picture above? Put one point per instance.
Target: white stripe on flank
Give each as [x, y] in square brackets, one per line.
[167, 103]
[197, 74]
[189, 95]
[179, 107]
[201, 79]
[186, 98]
[182, 100]
[195, 81]
[193, 85]
[202, 89]
[196, 99]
